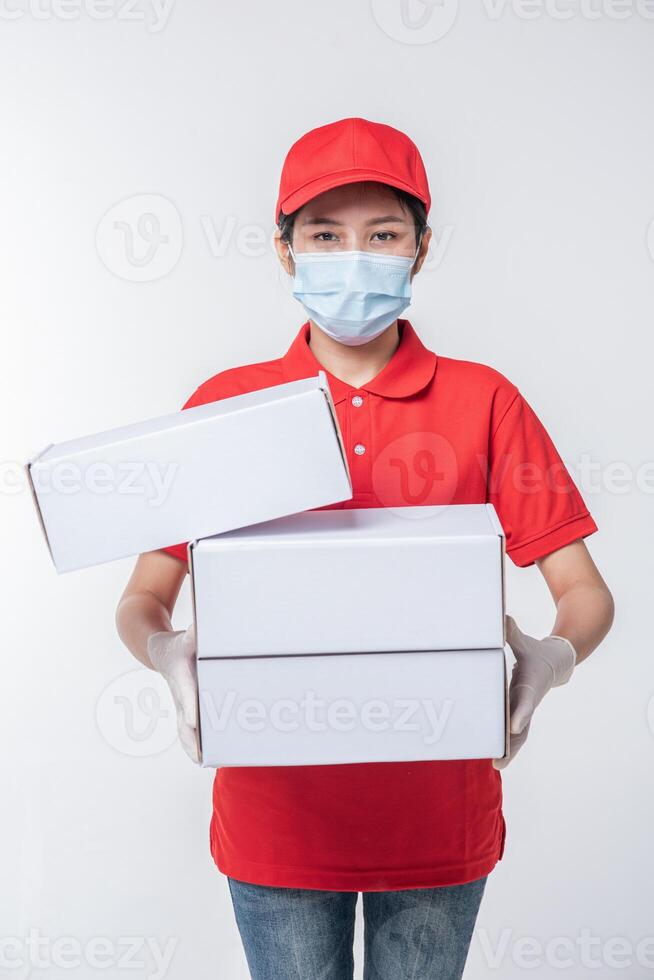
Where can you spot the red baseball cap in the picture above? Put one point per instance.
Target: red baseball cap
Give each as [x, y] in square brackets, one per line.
[344, 152]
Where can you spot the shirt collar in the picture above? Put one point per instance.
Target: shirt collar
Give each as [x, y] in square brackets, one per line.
[409, 370]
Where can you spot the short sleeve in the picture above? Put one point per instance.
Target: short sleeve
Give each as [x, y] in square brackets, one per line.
[180, 550]
[177, 551]
[536, 499]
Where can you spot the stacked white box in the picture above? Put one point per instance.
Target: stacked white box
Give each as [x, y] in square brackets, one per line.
[389, 621]
[347, 606]
[223, 465]
[345, 708]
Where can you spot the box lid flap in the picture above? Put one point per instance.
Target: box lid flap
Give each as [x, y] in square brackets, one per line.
[362, 523]
[173, 420]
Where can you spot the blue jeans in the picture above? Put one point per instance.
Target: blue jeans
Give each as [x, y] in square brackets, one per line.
[307, 934]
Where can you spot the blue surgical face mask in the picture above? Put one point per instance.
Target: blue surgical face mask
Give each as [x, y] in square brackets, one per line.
[352, 296]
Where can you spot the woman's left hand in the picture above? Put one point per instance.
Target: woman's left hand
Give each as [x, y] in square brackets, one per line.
[540, 665]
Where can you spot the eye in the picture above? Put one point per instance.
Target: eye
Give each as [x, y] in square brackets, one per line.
[384, 236]
[325, 236]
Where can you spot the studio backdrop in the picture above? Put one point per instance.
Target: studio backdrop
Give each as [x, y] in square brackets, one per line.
[141, 149]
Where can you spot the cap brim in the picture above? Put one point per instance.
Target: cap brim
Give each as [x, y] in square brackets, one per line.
[329, 181]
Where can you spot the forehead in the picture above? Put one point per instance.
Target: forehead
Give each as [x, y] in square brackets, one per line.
[360, 200]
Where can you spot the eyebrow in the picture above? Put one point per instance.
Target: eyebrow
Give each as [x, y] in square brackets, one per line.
[384, 219]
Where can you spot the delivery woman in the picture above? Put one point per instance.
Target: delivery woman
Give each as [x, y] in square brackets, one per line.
[417, 839]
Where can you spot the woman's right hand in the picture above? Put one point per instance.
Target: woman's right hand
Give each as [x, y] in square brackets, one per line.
[172, 654]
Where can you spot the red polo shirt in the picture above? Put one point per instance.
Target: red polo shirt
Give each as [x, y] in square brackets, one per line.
[427, 430]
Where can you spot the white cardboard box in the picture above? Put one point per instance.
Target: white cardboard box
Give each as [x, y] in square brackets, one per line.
[359, 580]
[367, 707]
[236, 461]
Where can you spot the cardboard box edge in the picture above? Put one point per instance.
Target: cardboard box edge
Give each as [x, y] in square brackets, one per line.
[355, 762]
[507, 713]
[189, 561]
[27, 468]
[496, 523]
[323, 384]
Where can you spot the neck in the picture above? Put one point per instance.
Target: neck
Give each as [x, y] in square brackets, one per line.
[354, 365]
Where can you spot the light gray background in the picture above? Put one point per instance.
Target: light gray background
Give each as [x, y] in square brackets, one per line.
[536, 130]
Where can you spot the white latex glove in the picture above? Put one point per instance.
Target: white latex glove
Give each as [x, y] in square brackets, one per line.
[540, 665]
[172, 653]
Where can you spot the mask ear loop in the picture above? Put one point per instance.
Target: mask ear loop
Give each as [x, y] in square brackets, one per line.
[417, 250]
[289, 278]
[420, 238]
[293, 274]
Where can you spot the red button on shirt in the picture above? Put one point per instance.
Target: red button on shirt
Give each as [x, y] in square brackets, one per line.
[427, 430]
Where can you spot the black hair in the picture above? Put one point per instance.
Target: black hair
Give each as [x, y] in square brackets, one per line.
[413, 204]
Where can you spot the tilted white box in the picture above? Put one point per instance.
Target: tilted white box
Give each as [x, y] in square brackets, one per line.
[201, 471]
[347, 708]
[353, 580]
